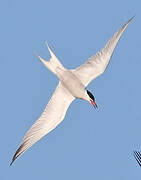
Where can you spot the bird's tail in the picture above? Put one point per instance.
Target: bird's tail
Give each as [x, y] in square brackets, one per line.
[53, 63]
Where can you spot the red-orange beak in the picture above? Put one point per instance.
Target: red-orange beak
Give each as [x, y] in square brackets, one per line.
[94, 104]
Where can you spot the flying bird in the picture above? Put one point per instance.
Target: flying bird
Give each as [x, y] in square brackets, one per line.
[72, 84]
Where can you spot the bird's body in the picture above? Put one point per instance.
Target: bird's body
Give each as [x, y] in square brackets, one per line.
[67, 77]
[72, 84]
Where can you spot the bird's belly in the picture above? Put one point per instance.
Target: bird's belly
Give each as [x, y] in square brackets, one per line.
[72, 83]
[75, 88]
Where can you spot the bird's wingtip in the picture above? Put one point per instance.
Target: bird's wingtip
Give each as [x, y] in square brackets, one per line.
[131, 19]
[14, 158]
[137, 156]
[11, 162]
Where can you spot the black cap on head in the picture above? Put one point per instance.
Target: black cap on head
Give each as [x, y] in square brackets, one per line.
[90, 95]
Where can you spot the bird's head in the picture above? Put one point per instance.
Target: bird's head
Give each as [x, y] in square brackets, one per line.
[92, 99]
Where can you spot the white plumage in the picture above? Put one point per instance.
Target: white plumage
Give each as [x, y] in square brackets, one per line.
[72, 84]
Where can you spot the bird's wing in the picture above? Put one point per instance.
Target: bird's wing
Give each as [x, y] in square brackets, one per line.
[53, 114]
[97, 64]
[137, 156]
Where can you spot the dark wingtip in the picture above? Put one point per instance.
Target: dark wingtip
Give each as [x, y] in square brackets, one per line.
[137, 156]
[131, 19]
[12, 162]
[14, 158]
[18, 153]
[125, 25]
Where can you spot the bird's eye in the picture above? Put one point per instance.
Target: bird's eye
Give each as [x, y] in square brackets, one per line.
[90, 95]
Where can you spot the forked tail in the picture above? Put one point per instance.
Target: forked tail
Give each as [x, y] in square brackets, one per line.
[53, 62]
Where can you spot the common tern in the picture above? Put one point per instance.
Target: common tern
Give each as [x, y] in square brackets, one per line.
[72, 85]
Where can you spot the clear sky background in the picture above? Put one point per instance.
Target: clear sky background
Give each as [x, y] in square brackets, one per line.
[89, 143]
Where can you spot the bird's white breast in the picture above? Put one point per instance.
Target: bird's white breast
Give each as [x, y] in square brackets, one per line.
[72, 83]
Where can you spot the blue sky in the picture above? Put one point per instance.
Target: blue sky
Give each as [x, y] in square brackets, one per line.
[89, 143]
